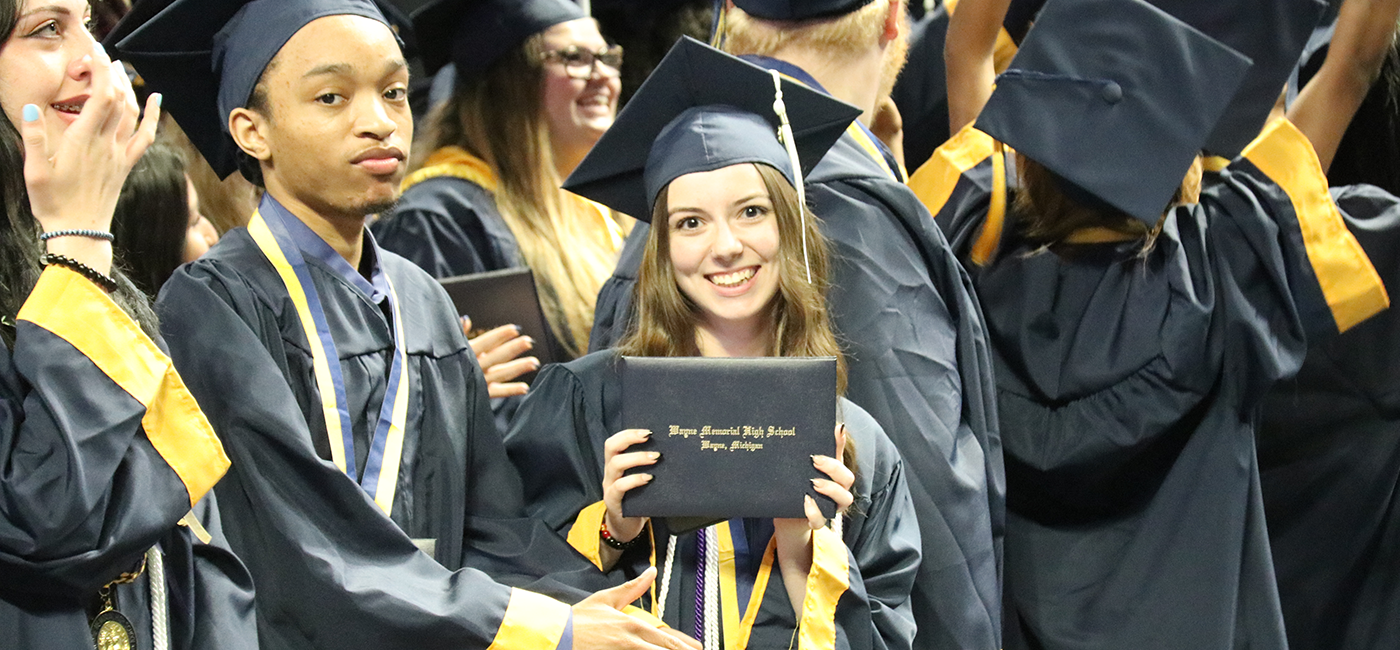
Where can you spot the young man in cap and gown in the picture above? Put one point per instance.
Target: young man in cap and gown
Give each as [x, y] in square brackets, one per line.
[370, 496]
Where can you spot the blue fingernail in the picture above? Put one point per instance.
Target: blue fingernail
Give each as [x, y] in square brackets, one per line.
[159, 99]
[31, 113]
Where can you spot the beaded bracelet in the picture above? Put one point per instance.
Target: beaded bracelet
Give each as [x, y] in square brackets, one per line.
[78, 232]
[100, 279]
[613, 542]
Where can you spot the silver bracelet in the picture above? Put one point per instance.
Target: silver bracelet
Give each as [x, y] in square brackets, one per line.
[91, 234]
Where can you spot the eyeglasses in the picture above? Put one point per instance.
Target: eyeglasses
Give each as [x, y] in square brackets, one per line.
[579, 63]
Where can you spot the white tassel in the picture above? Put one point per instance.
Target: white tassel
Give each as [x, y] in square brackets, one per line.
[790, 143]
[712, 640]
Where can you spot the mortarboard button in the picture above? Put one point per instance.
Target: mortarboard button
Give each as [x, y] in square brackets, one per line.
[1112, 92]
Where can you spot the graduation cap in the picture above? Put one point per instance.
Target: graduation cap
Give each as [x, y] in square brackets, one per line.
[1272, 33]
[207, 55]
[1116, 97]
[473, 34]
[700, 110]
[798, 9]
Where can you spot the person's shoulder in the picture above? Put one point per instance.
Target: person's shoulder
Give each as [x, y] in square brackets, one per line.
[234, 262]
[445, 194]
[593, 366]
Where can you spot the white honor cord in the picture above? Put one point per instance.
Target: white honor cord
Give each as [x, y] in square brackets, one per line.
[790, 143]
[711, 640]
[155, 575]
[666, 577]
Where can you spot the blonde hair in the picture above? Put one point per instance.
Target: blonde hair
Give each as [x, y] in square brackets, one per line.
[665, 320]
[847, 34]
[499, 118]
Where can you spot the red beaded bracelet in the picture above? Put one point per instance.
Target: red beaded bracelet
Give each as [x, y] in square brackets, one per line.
[613, 542]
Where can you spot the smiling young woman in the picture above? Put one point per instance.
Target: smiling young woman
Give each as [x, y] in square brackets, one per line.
[103, 447]
[535, 86]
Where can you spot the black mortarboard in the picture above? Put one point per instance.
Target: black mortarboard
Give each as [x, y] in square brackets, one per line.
[473, 34]
[798, 9]
[1272, 33]
[700, 110]
[1116, 97]
[207, 55]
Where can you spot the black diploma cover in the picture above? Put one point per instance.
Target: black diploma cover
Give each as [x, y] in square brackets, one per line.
[736, 435]
[504, 297]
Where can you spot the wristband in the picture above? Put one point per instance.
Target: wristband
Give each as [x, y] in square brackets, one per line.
[100, 279]
[78, 232]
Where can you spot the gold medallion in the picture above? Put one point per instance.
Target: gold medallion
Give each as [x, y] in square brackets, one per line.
[112, 631]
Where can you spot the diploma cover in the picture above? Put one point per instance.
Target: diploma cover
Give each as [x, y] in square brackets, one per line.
[505, 297]
[736, 435]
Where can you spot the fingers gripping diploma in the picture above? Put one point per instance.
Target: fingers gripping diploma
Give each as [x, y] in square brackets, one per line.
[616, 482]
[497, 352]
[599, 622]
[794, 536]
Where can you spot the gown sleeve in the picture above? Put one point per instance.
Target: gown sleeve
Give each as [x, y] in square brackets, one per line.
[613, 310]
[448, 227]
[1289, 273]
[885, 546]
[300, 525]
[102, 448]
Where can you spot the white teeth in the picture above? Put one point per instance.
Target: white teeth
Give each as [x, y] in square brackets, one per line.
[68, 108]
[733, 279]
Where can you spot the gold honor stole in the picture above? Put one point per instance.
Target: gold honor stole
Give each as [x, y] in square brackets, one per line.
[380, 478]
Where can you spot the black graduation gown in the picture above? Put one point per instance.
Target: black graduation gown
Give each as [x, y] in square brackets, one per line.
[333, 571]
[102, 451]
[1329, 454]
[921, 93]
[557, 443]
[916, 345]
[449, 226]
[1129, 386]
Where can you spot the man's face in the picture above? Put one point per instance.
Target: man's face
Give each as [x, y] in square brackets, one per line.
[338, 126]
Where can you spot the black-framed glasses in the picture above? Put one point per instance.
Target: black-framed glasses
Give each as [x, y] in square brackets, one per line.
[579, 63]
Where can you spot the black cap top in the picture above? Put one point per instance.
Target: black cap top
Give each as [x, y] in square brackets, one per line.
[473, 34]
[207, 55]
[700, 110]
[798, 9]
[1116, 97]
[1272, 33]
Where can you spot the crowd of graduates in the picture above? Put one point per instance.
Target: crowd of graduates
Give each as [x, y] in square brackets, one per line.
[1105, 283]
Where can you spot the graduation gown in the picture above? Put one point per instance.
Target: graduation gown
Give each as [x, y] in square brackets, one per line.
[103, 450]
[916, 346]
[557, 443]
[1329, 453]
[1129, 388]
[332, 570]
[446, 221]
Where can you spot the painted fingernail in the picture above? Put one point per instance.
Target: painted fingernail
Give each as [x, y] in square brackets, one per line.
[159, 99]
[517, 328]
[100, 48]
[535, 364]
[646, 434]
[814, 484]
[31, 113]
